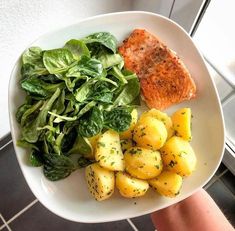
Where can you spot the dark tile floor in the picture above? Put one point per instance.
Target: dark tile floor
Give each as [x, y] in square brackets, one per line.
[15, 196]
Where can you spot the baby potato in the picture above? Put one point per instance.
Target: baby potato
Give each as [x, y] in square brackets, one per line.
[178, 156]
[126, 144]
[128, 133]
[167, 184]
[150, 133]
[143, 163]
[100, 181]
[182, 123]
[162, 117]
[130, 187]
[108, 151]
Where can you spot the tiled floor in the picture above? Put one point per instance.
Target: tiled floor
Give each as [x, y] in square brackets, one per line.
[22, 211]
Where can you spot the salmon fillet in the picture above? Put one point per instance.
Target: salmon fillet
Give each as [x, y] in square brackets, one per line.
[164, 79]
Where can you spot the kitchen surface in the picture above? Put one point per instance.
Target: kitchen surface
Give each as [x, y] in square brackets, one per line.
[23, 21]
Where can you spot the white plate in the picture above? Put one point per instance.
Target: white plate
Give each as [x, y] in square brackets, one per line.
[69, 198]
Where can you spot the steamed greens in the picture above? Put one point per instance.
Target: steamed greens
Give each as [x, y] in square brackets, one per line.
[73, 93]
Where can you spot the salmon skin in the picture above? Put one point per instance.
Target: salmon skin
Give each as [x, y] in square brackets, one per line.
[164, 79]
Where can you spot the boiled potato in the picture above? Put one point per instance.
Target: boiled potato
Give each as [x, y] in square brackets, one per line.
[162, 117]
[143, 163]
[167, 184]
[100, 181]
[108, 151]
[130, 187]
[150, 133]
[178, 156]
[126, 144]
[128, 133]
[182, 123]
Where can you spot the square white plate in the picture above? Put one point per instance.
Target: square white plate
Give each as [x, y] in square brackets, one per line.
[69, 198]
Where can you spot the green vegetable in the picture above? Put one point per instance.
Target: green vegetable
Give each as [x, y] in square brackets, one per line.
[118, 119]
[109, 60]
[73, 93]
[58, 60]
[102, 38]
[57, 167]
[129, 92]
[92, 124]
[32, 55]
[35, 158]
[39, 89]
[81, 146]
[78, 48]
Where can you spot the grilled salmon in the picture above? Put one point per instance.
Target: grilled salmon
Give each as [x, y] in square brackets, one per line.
[164, 79]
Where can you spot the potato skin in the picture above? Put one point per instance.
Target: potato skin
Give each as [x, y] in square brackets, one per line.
[129, 186]
[182, 123]
[108, 151]
[100, 181]
[178, 156]
[150, 133]
[167, 184]
[143, 163]
[159, 115]
[128, 133]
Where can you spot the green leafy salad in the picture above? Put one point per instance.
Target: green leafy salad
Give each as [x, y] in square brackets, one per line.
[72, 94]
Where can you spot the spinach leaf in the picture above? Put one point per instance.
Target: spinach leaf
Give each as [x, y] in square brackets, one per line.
[35, 158]
[59, 105]
[101, 92]
[102, 38]
[88, 67]
[129, 92]
[109, 60]
[57, 167]
[68, 141]
[118, 74]
[21, 110]
[77, 48]
[25, 144]
[33, 55]
[81, 146]
[39, 89]
[82, 93]
[30, 114]
[92, 124]
[28, 70]
[58, 60]
[29, 131]
[50, 78]
[118, 119]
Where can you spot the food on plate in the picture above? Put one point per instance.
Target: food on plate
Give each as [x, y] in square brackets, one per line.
[81, 112]
[167, 183]
[128, 133]
[100, 181]
[150, 133]
[159, 115]
[143, 163]
[109, 152]
[126, 144]
[182, 123]
[74, 94]
[129, 186]
[164, 78]
[178, 156]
